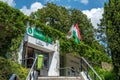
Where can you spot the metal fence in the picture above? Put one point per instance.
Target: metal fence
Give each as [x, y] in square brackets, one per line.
[32, 75]
[14, 77]
[68, 71]
[88, 70]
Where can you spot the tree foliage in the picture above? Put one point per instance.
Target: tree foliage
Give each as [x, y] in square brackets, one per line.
[8, 67]
[111, 22]
[69, 46]
[55, 16]
[12, 28]
[62, 19]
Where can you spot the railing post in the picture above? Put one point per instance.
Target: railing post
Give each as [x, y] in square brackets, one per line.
[94, 76]
[75, 73]
[14, 77]
[81, 64]
[31, 72]
[30, 76]
[87, 71]
[66, 72]
[70, 70]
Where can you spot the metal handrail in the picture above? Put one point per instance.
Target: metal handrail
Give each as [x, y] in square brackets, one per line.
[31, 72]
[86, 69]
[14, 77]
[70, 69]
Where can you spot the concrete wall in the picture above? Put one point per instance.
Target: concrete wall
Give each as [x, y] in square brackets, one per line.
[70, 65]
[72, 61]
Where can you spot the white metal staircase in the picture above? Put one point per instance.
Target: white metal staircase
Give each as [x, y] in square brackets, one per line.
[83, 74]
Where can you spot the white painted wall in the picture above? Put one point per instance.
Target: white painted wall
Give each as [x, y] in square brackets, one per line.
[54, 61]
[39, 44]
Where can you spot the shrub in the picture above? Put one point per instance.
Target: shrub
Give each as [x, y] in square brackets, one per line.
[109, 75]
[8, 67]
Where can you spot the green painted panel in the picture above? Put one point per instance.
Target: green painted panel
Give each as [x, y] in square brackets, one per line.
[38, 34]
[48, 39]
[40, 62]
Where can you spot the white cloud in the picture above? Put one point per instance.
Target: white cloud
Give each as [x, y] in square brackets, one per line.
[9, 2]
[84, 1]
[95, 15]
[52, 0]
[67, 7]
[34, 7]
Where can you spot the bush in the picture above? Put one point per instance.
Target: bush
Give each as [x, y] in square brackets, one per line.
[109, 75]
[8, 67]
[105, 74]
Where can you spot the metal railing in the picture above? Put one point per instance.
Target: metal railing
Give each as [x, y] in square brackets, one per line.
[14, 77]
[32, 75]
[68, 71]
[88, 70]
[43, 72]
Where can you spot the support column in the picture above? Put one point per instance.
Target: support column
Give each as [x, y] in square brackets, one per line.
[26, 48]
[55, 61]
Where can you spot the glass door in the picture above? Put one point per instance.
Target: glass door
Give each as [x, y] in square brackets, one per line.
[30, 57]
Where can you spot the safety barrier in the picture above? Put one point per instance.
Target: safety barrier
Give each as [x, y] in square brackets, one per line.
[86, 68]
[14, 77]
[32, 75]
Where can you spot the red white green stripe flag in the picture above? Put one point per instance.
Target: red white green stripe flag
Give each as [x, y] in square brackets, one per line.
[74, 32]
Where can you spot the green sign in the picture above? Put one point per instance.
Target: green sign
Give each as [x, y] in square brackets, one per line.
[38, 34]
[30, 31]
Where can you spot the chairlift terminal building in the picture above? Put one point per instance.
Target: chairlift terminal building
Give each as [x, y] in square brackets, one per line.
[35, 43]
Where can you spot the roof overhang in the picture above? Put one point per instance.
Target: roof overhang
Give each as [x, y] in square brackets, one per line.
[39, 44]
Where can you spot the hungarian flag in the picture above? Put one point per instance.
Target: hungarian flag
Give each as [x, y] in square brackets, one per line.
[70, 33]
[74, 32]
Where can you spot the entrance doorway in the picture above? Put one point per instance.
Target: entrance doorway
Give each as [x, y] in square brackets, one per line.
[45, 66]
[31, 54]
[30, 57]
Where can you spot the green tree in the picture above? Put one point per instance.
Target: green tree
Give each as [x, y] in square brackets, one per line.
[85, 26]
[111, 22]
[61, 18]
[8, 67]
[56, 16]
[12, 28]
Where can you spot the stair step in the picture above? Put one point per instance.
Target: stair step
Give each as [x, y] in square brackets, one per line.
[59, 78]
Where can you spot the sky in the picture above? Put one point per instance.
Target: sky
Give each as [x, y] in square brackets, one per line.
[92, 8]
